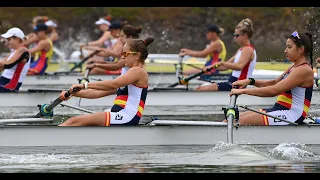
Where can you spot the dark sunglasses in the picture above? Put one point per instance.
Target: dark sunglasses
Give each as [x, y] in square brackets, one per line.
[237, 35]
[126, 54]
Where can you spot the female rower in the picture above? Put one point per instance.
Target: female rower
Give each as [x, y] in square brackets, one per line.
[242, 63]
[98, 66]
[16, 64]
[43, 51]
[131, 88]
[293, 88]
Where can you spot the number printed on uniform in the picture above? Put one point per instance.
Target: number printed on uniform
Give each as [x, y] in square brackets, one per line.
[119, 117]
[279, 116]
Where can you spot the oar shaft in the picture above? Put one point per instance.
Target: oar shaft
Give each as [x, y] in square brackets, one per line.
[231, 115]
[56, 102]
[196, 75]
[262, 113]
[186, 80]
[179, 66]
[77, 108]
[84, 60]
[86, 74]
[85, 79]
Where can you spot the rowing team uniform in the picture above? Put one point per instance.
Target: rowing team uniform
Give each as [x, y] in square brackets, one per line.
[245, 73]
[41, 61]
[292, 105]
[215, 57]
[12, 78]
[128, 105]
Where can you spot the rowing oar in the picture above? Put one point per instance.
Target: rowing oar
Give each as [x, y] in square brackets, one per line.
[184, 81]
[179, 66]
[84, 60]
[47, 110]
[77, 108]
[231, 113]
[81, 51]
[82, 81]
[262, 113]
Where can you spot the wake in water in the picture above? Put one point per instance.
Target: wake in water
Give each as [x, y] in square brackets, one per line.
[221, 154]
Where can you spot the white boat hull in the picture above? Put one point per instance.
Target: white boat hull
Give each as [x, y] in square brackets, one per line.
[154, 98]
[154, 78]
[46, 135]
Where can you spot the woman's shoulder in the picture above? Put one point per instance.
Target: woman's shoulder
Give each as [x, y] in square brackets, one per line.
[137, 69]
[22, 49]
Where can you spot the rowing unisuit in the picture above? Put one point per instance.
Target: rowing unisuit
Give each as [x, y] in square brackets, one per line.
[13, 77]
[128, 105]
[291, 105]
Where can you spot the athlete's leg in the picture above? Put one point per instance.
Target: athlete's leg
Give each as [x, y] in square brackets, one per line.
[95, 119]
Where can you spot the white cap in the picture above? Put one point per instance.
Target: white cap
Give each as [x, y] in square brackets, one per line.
[51, 23]
[103, 21]
[13, 32]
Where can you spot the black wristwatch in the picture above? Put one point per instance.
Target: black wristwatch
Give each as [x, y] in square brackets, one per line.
[252, 81]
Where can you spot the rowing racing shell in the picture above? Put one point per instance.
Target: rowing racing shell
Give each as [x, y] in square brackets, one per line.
[128, 105]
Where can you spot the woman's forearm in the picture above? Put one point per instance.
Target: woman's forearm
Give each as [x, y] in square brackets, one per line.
[94, 94]
[109, 66]
[264, 83]
[261, 92]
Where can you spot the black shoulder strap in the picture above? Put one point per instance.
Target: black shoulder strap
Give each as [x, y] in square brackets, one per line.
[25, 55]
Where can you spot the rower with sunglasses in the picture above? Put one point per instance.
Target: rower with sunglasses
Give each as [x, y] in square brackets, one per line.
[128, 32]
[131, 88]
[15, 64]
[293, 88]
[242, 63]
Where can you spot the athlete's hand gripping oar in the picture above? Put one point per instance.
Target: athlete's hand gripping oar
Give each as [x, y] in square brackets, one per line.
[84, 60]
[46, 109]
[185, 80]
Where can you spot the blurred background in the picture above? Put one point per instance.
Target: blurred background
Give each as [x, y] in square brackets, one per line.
[173, 28]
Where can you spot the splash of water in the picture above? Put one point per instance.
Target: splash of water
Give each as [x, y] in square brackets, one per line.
[291, 151]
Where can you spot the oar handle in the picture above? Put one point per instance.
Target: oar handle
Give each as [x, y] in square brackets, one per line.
[58, 100]
[46, 110]
[67, 94]
[183, 81]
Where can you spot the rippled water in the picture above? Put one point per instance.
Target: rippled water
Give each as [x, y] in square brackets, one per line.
[131, 159]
